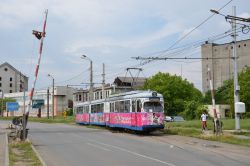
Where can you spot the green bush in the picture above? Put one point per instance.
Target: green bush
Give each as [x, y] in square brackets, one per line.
[69, 111]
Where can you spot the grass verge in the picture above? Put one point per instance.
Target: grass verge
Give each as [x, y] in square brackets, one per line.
[57, 119]
[21, 153]
[193, 129]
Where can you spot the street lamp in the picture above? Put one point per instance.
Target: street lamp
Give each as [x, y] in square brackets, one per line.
[91, 77]
[53, 86]
[236, 86]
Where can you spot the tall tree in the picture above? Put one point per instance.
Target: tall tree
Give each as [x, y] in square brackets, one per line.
[175, 91]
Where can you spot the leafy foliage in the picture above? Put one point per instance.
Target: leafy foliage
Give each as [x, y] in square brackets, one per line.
[225, 94]
[3, 103]
[193, 110]
[175, 90]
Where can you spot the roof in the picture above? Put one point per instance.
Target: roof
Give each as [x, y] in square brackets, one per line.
[10, 66]
[137, 80]
[219, 44]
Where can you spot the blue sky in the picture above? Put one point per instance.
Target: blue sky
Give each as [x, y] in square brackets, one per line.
[110, 32]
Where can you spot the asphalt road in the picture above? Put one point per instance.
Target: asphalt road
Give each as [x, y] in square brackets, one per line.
[68, 145]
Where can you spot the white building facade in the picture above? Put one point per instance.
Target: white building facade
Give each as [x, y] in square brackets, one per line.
[63, 99]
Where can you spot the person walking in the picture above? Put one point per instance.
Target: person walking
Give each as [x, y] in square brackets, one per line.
[204, 121]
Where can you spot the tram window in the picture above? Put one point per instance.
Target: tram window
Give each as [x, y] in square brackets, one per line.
[86, 109]
[97, 108]
[133, 106]
[111, 107]
[101, 107]
[117, 106]
[152, 107]
[81, 109]
[127, 106]
[92, 108]
[122, 106]
[139, 105]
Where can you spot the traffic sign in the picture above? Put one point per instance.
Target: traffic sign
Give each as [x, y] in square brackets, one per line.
[37, 103]
[12, 106]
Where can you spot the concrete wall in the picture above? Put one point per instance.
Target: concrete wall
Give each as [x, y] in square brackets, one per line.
[222, 69]
[220, 110]
[10, 75]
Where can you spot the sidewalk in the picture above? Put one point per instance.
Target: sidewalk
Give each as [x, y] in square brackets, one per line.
[4, 152]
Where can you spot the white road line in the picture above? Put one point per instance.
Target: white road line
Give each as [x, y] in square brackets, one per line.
[128, 151]
[98, 147]
[135, 153]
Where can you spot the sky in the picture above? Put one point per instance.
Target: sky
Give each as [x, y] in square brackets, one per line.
[111, 32]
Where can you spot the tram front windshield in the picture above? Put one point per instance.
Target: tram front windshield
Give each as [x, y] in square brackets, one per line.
[152, 107]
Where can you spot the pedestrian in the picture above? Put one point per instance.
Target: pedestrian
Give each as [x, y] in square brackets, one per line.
[204, 120]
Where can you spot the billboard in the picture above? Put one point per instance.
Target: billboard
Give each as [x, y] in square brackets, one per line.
[12, 106]
[37, 103]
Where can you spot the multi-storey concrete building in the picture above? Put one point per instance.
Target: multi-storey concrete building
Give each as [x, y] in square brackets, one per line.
[120, 84]
[12, 80]
[222, 68]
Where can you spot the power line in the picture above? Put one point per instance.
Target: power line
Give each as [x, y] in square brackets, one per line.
[178, 41]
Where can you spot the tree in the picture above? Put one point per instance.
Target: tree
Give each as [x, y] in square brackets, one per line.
[225, 94]
[175, 91]
[3, 102]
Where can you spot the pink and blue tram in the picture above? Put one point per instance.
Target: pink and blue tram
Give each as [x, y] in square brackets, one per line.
[135, 110]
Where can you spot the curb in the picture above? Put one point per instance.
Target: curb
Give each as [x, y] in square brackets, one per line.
[37, 154]
[6, 162]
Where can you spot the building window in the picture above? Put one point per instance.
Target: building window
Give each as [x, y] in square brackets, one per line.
[10, 91]
[5, 69]
[245, 45]
[239, 46]
[10, 78]
[80, 97]
[0, 84]
[10, 84]
[0, 78]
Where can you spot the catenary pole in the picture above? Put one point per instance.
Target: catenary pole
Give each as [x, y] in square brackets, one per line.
[236, 86]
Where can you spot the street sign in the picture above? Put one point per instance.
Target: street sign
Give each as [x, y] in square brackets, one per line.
[12, 106]
[37, 103]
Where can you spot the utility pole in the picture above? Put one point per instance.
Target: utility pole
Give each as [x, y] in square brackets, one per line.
[53, 87]
[103, 81]
[91, 77]
[48, 103]
[53, 98]
[233, 20]
[91, 81]
[235, 58]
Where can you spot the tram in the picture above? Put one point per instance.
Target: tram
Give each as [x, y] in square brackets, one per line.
[135, 110]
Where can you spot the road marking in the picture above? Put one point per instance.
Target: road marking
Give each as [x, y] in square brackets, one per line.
[138, 154]
[98, 147]
[125, 150]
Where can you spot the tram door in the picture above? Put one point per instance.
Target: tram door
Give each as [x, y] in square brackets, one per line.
[133, 113]
[136, 109]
